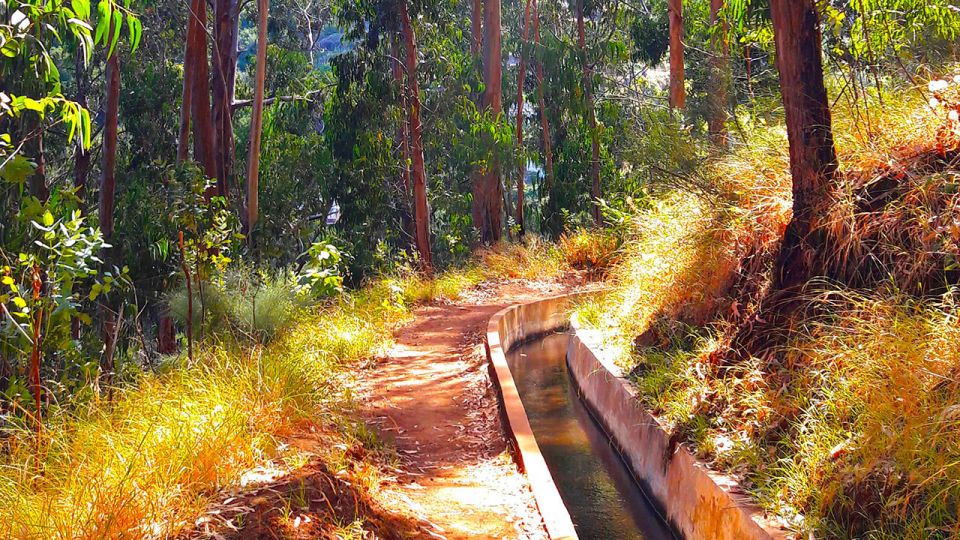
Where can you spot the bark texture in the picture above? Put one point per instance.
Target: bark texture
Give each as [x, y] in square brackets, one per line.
[813, 158]
[225, 34]
[204, 137]
[476, 26]
[487, 189]
[256, 119]
[678, 93]
[421, 212]
[108, 179]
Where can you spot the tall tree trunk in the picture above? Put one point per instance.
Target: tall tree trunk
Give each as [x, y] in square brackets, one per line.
[108, 186]
[108, 178]
[813, 158]
[521, 78]
[226, 27]
[256, 119]
[678, 96]
[595, 192]
[719, 65]
[487, 189]
[186, 105]
[544, 127]
[476, 27]
[421, 213]
[204, 136]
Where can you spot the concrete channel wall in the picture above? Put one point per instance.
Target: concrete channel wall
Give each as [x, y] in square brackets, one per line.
[698, 503]
[508, 328]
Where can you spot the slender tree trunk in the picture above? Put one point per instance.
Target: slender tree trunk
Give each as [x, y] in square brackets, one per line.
[183, 135]
[108, 179]
[256, 119]
[488, 191]
[226, 27]
[421, 215]
[595, 192]
[719, 65]
[204, 136]
[813, 158]
[678, 95]
[521, 78]
[544, 126]
[108, 186]
[476, 27]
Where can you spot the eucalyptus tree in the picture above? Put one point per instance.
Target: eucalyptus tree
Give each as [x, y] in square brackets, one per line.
[720, 74]
[372, 22]
[813, 157]
[256, 119]
[488, 188]
[677, 76]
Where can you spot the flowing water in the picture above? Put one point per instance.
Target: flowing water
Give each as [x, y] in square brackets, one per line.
[604, 501]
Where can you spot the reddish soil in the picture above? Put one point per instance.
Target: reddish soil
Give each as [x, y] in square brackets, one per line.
[431, 397]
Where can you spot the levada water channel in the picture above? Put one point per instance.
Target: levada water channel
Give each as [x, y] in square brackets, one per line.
[604, 500]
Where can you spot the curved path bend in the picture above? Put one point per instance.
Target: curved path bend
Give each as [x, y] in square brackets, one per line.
[431, 397]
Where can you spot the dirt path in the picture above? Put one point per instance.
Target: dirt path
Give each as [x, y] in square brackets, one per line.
[432, 399]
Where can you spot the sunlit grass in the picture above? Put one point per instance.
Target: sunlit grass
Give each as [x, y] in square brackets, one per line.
[848, 427]
[148, 463]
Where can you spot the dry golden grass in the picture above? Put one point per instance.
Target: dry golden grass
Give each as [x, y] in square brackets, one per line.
[848, 426]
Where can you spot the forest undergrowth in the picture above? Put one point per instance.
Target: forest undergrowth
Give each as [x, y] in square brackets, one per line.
[841, 414]
[148, 461]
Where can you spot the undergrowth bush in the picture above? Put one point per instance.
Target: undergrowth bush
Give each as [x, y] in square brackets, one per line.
[258, 305]
[146, 464]
[593, 251]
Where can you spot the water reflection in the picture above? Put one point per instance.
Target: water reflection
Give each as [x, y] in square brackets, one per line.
[603, 500]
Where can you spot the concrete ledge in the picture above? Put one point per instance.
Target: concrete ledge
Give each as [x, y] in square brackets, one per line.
[697, 502]
[507, 328]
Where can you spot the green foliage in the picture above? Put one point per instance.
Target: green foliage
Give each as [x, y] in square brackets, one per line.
[50, 282]
[321, 273]
[650, 32]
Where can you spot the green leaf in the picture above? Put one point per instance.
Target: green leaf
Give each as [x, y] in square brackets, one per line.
[81, 8]
[135, 30]
[115, 29]
[10, 48]
[16, 170]
[103, 21]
